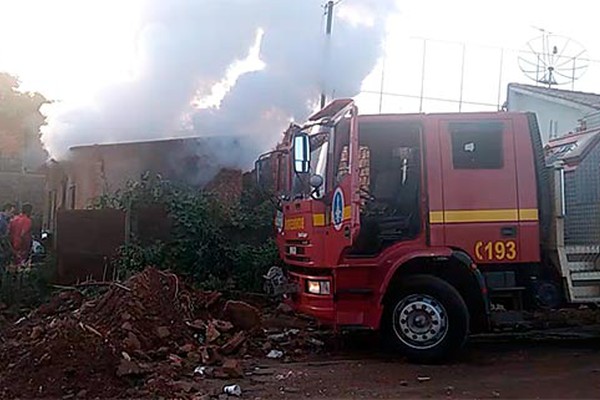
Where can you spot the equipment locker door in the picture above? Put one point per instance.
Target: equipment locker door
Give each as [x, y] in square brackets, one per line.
[480, 203]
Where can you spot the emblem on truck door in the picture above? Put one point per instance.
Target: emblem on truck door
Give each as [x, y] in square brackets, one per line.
[337, 209]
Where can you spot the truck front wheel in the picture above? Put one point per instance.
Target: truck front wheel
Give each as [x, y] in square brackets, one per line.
[426, 319]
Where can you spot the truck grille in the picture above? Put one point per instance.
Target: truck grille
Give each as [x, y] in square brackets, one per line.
[297, 250]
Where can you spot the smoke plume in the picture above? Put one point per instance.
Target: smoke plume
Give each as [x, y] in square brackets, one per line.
[186, 47]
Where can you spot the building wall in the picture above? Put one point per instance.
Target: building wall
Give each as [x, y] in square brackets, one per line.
[554, 117]
[11, 144]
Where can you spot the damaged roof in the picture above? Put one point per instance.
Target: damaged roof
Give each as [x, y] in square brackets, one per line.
[180, 139]
[572, 148]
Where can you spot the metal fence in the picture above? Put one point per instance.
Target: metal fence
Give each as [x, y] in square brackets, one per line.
[430, 75]
[582, 198]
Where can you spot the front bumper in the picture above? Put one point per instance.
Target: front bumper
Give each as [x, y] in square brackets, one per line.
[321, 307]
[346, 306]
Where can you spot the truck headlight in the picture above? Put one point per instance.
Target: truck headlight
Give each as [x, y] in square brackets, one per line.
[318, 287]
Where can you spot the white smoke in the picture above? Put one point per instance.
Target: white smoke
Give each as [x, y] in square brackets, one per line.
[186, 47]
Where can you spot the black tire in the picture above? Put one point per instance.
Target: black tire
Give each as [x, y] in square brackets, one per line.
[430, 303]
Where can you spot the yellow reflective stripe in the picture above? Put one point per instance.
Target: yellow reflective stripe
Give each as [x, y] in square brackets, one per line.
[436, 217]
[463, 216]
[347, 212]
[294, 224]
[528, 214]
[481, 215]
[318, 220]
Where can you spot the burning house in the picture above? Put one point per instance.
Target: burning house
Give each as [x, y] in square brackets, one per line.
[93, 170]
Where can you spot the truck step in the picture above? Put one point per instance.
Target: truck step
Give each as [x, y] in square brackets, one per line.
[585, 278]
[582, 266]
[576, 250]
[591, 299]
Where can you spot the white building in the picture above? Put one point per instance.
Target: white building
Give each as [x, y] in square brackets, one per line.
[558, 111]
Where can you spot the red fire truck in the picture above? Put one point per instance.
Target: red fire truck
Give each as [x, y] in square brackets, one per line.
[426, 226]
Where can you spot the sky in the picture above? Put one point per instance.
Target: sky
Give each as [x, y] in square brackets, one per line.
[66, 50]
[484, 27]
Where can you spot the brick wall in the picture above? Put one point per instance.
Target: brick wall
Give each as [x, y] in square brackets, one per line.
[11, 144]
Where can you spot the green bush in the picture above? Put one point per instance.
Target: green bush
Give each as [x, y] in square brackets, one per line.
[27, 287]
[214, 245]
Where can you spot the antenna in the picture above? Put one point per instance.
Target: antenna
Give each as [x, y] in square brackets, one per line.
[553, 60]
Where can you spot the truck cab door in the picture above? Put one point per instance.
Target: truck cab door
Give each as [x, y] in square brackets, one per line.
[342, 211]
[480, 200]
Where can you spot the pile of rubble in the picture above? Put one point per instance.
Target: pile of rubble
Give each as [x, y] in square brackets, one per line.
[152, 335]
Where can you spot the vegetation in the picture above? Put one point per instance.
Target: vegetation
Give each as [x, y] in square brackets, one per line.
[212, 244]
[26, 288]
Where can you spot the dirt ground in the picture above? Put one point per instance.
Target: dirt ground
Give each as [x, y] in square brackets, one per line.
[154, 337]
[544, 369]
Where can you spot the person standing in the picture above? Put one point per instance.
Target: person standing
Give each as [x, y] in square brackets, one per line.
[5, 249]
[19, 231]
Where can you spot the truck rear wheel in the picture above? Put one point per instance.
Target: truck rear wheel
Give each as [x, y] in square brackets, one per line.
[426, 319]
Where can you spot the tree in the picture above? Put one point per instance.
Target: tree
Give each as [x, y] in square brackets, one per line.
[20, 123]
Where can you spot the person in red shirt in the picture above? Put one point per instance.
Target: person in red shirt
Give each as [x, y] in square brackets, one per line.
[19, 232]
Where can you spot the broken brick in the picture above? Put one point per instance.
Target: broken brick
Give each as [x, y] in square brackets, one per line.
[212, 333]
[193, 357]
[127, 326]
[222, 326]
[131, 342]
[209, 355]
[242, 315]
[233, 368]
[36, 332]
[213, 298]
[186, 348]
[163, 332]
[129, 368]
[234, 343]
[176, 360]
[197, 325]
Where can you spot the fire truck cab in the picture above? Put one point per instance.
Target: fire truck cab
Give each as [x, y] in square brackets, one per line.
[414, 224]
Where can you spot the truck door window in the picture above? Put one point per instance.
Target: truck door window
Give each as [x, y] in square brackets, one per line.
[341, 151]
[477, 145]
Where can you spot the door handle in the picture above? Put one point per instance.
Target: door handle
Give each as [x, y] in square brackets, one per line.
[508, 231]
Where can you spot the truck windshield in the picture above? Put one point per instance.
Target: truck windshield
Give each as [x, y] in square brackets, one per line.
[319, 145]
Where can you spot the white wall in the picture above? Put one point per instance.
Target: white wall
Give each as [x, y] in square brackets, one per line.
[556, 115]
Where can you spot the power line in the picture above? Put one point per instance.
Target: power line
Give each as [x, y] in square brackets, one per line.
[414, 96]
[489, 46]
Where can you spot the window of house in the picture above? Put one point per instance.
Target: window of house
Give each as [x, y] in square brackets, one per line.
[72, 193]
[477, 145]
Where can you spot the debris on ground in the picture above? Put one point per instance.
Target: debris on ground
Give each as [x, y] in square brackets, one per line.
[275, 354]
[151, 336]
[233, 390]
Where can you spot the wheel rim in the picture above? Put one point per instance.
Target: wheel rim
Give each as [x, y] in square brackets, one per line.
[420, 321]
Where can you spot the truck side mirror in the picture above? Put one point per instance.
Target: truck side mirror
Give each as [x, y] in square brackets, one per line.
[301, 153]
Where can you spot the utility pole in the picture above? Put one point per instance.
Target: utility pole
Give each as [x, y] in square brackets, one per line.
[382, 80]
[328, 26]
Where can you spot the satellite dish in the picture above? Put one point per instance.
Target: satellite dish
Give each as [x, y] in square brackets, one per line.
[553, 60]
